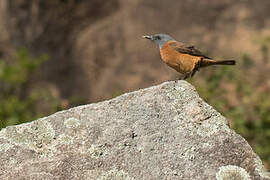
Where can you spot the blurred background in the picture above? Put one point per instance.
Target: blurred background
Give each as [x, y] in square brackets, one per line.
[58, 54]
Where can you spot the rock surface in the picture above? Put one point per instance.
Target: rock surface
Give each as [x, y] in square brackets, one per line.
[162, 132]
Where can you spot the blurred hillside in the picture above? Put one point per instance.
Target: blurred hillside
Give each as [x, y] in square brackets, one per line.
[96, 52]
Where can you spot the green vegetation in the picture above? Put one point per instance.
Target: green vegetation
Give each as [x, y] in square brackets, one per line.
[18, 102]
[242, 95]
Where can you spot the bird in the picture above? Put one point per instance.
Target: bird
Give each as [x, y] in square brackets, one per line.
[185, 59]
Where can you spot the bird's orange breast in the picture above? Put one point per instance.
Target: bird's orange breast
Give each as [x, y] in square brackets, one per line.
[183, 63]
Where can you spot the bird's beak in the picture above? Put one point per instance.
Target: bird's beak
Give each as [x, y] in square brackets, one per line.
[148, 37]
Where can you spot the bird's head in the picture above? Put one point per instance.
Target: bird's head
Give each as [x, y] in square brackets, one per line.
[159, 39]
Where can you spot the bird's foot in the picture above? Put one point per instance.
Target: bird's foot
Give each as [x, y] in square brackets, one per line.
[182, 77]
[186, 76]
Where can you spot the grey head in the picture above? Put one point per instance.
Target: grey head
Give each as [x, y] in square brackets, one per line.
[159, 39]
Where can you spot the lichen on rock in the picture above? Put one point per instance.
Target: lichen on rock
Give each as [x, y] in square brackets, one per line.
[162, 132]
[232, 173]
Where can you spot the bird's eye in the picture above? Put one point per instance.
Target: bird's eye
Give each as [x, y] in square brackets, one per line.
[158, 37]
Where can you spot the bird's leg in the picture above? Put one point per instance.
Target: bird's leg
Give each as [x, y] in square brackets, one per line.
[193, 72]
[182, 77]
[186, 76]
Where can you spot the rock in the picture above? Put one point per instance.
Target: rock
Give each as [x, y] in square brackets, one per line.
[162, 132]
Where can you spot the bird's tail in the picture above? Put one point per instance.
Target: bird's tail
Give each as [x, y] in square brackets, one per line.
[209, 62]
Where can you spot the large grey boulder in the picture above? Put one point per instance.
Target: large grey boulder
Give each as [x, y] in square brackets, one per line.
[162, 132]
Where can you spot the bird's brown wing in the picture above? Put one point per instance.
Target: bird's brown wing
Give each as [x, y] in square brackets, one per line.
[187, 49]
